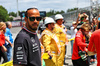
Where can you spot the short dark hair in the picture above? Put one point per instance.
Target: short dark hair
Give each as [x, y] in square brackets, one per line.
[27, 11]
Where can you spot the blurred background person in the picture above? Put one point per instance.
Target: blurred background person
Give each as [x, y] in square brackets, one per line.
[94, 21]
[41, 27]
[9, 43]
[98, 22]
[50, 42]
[82, 18]
[94, 27]
[61, 34]
[73, 33]
[23, 24]
[2, 42]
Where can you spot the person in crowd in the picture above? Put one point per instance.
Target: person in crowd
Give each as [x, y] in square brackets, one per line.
[73, 33]
[64, 25]
[2, 42]
[27, 50]
[94, 45]
[80, 46]
[94, 21]
[65, 31]
[61, 34]
[41, 27]
[23, 24]
[98, 22]
[94, 26]
[9, 43]
[82, 18]
[50, 42]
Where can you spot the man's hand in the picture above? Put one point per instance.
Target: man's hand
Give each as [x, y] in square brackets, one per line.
[49, 53]
[79, 15]
[8, 41]
[4, 48]
[11, 45]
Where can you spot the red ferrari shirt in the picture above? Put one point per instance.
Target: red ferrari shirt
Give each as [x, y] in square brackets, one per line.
[2, 39]
[79, 44]
[94, 44]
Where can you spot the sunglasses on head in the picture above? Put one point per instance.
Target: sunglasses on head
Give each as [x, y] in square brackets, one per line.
[33, 18]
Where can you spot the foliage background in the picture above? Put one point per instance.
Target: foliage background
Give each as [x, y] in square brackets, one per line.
[5, 16]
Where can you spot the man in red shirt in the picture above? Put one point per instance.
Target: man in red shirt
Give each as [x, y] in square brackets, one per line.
[79, 44]
[94, 45]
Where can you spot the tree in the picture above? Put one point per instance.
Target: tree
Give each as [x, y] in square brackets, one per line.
[52, 12]
[62, 11]
[12, 14]
[3, 14]
[10, 19]
[73, 9]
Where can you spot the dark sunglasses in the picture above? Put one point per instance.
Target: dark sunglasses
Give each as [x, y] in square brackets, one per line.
[33, 18]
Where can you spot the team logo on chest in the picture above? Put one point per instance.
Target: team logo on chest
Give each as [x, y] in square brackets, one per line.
[34, 45]
[32, 39]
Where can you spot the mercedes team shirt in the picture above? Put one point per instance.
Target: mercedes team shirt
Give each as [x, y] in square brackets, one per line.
[27, 49]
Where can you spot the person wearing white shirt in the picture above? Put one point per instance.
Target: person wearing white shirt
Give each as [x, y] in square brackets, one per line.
[73, 33]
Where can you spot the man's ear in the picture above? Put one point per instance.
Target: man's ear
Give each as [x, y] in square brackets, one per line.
[25, 19]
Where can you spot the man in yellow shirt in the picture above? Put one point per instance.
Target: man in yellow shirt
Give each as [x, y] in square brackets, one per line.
[50, 43]
[59, 30]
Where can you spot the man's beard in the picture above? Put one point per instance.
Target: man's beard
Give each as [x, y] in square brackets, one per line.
[52, 28]
[34, 29]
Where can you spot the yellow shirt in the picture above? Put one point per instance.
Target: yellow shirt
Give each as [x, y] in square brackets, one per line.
[61, 34]
[49, 41]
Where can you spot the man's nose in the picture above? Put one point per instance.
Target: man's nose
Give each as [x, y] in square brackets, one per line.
[35, 20]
